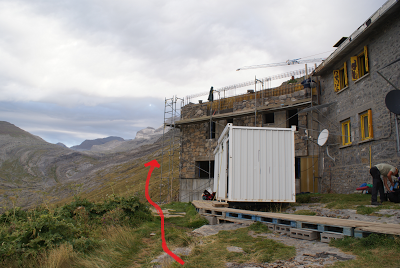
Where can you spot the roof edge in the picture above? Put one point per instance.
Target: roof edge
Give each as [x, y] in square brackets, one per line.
[366, 25]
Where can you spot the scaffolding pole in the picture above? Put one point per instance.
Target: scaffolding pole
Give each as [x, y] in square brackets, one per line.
[169, 147]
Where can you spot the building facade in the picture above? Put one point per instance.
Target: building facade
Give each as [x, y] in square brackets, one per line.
[353, 91]
[201, 125]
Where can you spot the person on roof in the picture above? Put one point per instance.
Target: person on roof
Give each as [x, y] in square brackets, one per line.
[380, 174]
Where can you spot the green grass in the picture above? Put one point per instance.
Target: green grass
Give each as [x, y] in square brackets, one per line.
[372, 251]
[305, 212]
[259, 227]
[191, 220]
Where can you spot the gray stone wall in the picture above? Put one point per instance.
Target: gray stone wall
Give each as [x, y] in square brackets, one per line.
[197, 147]
[352, 163]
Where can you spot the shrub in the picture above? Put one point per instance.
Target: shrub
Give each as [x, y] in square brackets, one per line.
[29, 234]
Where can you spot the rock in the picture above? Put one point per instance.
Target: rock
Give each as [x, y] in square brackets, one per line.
[235, 249]
[165, 258]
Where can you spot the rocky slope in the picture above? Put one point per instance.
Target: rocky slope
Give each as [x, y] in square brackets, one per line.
[34, 172]
[145, 136]
[88, 144]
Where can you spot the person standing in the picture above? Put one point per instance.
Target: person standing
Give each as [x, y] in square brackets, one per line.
[385, 171]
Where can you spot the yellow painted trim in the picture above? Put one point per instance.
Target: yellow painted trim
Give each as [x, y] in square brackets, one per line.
[346, 140]
[336, 80]
[368, 115]
[370, 127]
[354, 67]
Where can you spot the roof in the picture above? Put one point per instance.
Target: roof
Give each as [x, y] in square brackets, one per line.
[358, 36]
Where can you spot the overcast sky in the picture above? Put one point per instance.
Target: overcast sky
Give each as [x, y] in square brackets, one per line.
[72, 70]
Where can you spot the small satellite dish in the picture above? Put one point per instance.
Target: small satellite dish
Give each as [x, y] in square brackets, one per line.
[323, 137]
[392, 101]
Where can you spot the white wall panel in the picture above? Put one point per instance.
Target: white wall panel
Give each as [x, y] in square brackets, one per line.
[259, 167]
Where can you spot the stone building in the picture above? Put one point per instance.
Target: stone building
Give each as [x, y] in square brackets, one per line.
[362, 129]
[201, 125]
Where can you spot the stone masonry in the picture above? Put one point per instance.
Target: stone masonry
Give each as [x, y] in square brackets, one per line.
[196, 145]
[352, 162]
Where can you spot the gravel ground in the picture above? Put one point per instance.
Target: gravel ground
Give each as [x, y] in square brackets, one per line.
[308, 253]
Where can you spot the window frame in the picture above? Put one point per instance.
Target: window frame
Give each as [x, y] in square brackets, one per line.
[346, 139]
[367, 114]
[359, 64]
[340, 78]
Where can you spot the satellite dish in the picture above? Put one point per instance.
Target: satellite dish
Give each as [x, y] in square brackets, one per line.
[392, 101]
[323, 137]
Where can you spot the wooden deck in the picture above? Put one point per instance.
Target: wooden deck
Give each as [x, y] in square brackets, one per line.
[315, 223]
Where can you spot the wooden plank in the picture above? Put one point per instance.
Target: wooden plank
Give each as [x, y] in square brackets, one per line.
[303, 220]
[381, 229]
[220, 204]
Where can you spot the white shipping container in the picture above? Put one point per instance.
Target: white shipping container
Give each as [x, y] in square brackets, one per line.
[255, 164]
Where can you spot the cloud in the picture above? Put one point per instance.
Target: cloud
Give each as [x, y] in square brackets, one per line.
[77, 67]
[72, 125]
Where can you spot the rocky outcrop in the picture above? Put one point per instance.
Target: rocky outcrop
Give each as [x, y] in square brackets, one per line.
[150, 132]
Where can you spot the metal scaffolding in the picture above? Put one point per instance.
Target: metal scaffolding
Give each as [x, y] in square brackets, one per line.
[170, 147]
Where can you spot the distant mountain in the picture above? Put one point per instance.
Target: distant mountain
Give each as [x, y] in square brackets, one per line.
[35, 171]
[145, 136]
[14, 131]
[88, 144]
[61, 144]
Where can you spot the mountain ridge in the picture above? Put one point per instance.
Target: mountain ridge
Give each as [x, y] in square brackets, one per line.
[88, 144]
[36, 171]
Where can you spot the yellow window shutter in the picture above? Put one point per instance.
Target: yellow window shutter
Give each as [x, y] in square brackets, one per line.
[366, 59]
[370, 129]
[346, 82]
[336, 80]
[354, 68]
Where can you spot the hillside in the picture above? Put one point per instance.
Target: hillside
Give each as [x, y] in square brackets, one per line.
[88, 144]
[34, 172]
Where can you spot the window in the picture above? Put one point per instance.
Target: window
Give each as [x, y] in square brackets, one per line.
[366, 125]
[359, 64]
[292, 118]
[340, 78]
[346, 132]
[203, 169]
[269, 118]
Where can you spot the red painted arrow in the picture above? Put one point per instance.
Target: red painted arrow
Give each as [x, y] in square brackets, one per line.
[153, 164]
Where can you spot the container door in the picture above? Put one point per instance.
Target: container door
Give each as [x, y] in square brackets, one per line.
[220, 181]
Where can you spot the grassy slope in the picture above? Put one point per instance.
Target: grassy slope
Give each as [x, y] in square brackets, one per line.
[129, 179]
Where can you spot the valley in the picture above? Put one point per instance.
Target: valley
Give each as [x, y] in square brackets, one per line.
[34, 172]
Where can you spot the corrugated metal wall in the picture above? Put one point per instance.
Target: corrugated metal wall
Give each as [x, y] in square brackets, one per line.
[260, 168]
